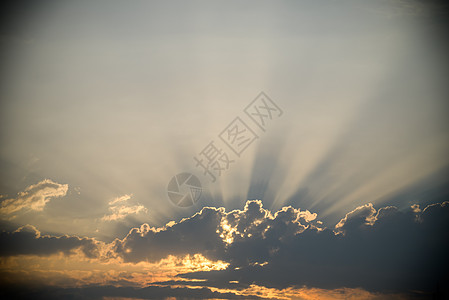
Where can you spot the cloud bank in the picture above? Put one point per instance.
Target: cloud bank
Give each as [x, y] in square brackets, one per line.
[383, 250]
[27, 240]
[371, 251]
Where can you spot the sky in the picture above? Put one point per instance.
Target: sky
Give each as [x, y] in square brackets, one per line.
[327, 121]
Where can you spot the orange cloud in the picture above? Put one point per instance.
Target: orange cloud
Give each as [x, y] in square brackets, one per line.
[35, 197]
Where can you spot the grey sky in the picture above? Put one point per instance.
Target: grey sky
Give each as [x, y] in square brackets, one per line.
[114, 99]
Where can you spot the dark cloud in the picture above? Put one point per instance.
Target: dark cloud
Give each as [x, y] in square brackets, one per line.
[385, 250]
[210, 232]
[27, 240]
[193, 235]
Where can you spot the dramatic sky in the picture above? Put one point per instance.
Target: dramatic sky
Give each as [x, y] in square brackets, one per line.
[336, 189]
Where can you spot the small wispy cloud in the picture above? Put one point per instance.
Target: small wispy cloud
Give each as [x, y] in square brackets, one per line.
[120, 209]
[123, 198]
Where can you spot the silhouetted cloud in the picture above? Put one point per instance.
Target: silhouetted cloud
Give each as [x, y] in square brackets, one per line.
[379, 250]
[27, 240]
[385, 250]
[211, 232]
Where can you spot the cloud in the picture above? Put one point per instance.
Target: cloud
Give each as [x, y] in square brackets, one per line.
[27, 240]
[35, 197]
[119, 209]
[113, 292]
[384, 250]
[362, 215]
[77, 270]
[213, 232]
[192, 235]
[123, 198]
